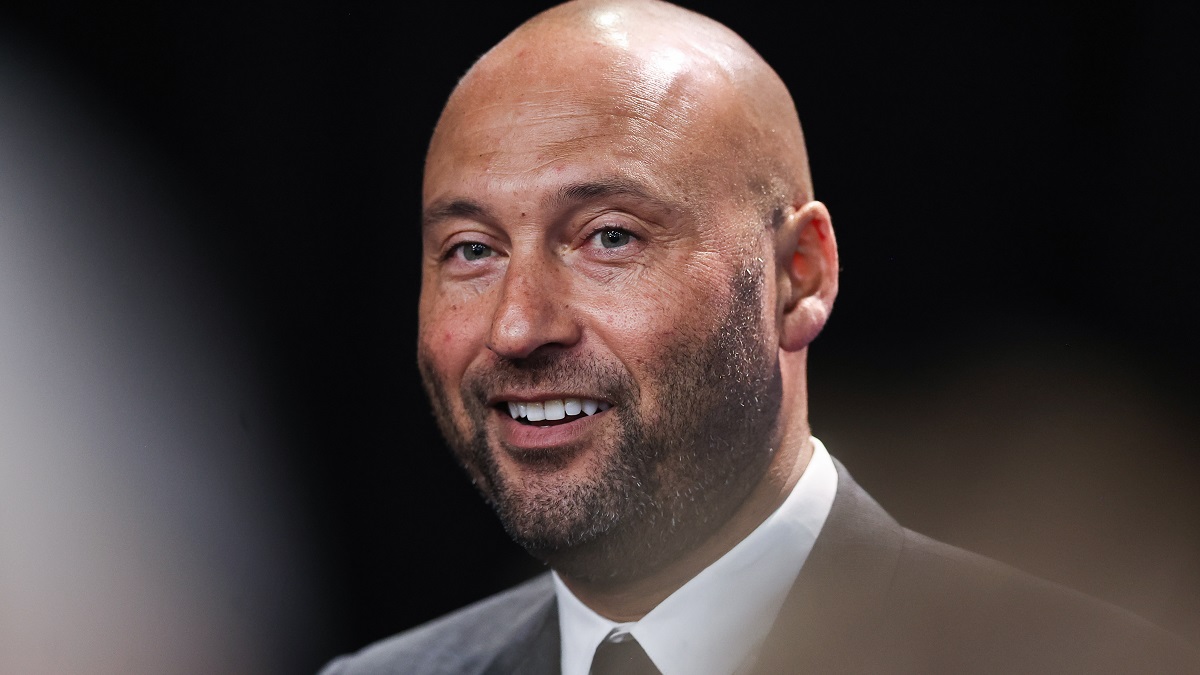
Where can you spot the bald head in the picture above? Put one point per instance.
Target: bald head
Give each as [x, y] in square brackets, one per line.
[671, 81]
[618, 211]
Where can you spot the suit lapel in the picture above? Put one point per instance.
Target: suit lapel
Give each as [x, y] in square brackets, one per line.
[849, 569]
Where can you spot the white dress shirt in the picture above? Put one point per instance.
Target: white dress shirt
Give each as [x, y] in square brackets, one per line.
[715, 623]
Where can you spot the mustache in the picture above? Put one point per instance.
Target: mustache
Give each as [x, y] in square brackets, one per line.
[551, 369]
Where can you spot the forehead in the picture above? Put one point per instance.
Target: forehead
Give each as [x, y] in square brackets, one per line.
[536, 120]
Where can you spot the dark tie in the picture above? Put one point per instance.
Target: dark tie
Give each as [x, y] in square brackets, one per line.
[622, 655]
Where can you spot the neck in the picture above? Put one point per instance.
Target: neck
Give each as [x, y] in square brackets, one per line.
[633, 600]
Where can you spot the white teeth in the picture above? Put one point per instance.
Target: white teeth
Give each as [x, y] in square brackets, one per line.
[534, 412]
[554, 409]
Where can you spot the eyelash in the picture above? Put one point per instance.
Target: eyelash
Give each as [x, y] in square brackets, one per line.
[460, 247]
[611, 228]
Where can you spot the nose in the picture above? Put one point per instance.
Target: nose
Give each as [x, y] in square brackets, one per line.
[533, 310]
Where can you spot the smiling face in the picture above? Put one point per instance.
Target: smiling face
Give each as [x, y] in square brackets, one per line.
[597, 302]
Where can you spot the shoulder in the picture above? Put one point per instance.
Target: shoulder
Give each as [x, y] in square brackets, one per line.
[969, 609]
[888, 599]
[465, 641]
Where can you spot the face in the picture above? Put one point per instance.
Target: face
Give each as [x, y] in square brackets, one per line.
[593, 325]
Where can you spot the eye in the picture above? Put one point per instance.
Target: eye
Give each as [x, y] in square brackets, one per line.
[613, 238]
[473, 250]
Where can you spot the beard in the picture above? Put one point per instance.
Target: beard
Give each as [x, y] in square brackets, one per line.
[665, 484]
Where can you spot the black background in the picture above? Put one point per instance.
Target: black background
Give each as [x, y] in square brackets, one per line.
[1010, 367]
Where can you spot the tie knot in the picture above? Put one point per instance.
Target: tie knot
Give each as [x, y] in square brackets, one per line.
[620, 654]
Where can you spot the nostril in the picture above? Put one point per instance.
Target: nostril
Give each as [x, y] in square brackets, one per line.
[527, 318]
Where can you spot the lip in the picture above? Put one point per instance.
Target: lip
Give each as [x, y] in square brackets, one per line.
[526, 397]
[519, 436]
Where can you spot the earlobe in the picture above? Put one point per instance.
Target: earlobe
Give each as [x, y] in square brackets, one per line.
[808, 274]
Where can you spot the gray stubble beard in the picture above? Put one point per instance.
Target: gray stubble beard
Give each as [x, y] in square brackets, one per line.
[666, 485]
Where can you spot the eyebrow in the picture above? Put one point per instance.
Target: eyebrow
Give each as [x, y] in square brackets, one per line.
[456, 208]
[605, 187]
[568, 195]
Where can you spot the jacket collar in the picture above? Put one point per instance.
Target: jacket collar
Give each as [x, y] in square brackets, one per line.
[849, 570]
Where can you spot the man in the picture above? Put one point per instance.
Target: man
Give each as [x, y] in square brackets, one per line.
[623, 268]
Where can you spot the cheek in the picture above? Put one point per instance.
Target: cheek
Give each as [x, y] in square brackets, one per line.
[644, 323]
[637, 331]
[448, 336]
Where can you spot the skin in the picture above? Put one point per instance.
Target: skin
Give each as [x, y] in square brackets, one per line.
[648, 121]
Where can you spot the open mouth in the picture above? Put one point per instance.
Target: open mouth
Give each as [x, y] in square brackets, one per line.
[552, 412]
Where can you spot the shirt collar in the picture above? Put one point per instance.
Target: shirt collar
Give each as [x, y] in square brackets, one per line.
[716, 621]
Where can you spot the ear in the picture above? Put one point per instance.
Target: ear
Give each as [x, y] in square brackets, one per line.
[806, 261]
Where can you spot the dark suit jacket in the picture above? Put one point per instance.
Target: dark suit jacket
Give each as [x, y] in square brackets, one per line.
[873, 597]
